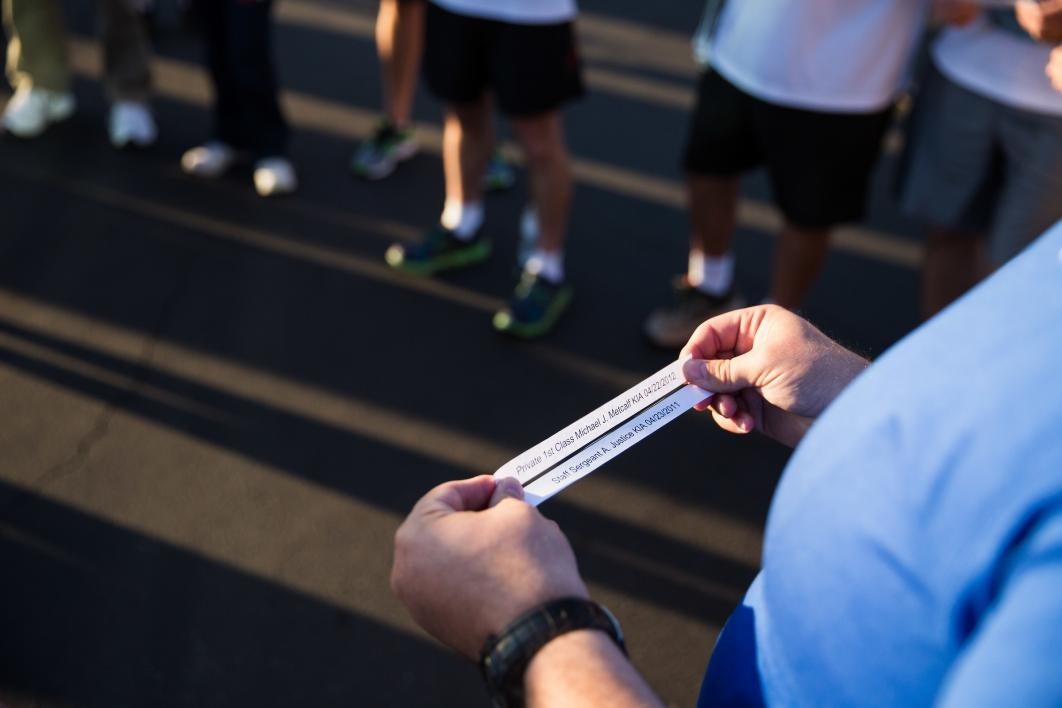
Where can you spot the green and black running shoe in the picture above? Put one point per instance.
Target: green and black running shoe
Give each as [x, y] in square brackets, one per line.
[378, 156]
[441, 250]
[535, 307]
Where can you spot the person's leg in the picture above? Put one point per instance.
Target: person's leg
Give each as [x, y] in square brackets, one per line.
[212, 17]
[799, 256]
[550, 173]
[954, 263]
[1030, 201]
[400, 38]
[455, 71]
[720, 145]
[36, 49]
[468, 137]
[542, 294]
[248, 56]
[819, 164]
[712, 205]
[216, 155]
[399, 45]
[127, 59]
[126, 52]
[950, 180]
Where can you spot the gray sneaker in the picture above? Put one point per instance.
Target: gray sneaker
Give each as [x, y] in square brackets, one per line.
[671, 326]
[378, 157]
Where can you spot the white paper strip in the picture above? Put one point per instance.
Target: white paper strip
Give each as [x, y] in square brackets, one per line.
[562, 444]
[612, 444]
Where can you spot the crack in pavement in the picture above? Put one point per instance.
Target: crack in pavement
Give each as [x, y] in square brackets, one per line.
[100, 428]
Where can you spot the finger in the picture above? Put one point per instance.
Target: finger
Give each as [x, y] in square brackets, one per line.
[731, 332]
[720, 375]
[728, 424]
[506, 488]
[725, 405]
[460, 495]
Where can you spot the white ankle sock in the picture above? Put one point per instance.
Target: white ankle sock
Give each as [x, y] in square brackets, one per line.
[710, 274]
[546, 264]
[463, 218]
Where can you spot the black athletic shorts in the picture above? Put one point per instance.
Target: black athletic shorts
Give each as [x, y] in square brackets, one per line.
[819, 164]
[529, 69]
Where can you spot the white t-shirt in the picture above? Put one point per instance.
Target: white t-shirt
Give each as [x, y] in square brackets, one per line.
[836, 56]
[520, 12]
[999, 65]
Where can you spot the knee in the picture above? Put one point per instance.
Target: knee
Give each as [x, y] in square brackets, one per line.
[473, 119]
[543, 147]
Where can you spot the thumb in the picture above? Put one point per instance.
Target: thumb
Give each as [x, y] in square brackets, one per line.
[459, 495]
[719, 375]
[505, 488]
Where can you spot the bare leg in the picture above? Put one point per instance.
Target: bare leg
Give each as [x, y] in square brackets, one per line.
[468, 137]
[798, 260]
[713, 213]
[954, 263]
[549, 167]
[399, 44]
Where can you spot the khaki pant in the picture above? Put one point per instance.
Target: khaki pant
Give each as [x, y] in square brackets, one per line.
[36, 50]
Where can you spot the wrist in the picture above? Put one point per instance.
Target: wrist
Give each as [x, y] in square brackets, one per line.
[585, 668]
[506, 656]
[559, 653]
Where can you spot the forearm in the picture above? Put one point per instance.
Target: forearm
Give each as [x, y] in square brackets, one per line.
[584, 668]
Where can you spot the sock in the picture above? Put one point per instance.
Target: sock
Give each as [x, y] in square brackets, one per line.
[463, 218]
[546, 264]
[711, 275]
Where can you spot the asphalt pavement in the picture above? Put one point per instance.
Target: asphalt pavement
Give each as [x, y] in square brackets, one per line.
[215, 410]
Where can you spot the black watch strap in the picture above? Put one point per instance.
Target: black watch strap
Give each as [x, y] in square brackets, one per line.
[505, 656]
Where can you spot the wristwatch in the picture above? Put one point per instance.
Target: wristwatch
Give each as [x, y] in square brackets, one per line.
[505, 656]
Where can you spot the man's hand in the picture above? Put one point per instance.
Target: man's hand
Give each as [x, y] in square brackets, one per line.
[1042, 20]
[472, 557]
[954, 12]
[1054, 68]
[771, 371]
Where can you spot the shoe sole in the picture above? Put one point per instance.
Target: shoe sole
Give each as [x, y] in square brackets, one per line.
[132, 144]
[199, 173]
[543, 326]
[452, 261]
[49, 121]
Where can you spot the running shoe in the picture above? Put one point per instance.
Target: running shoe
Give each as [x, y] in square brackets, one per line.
[378, 156]
[671, 326]
[209, 160]
[501, 175]
[30, 111]
[534, 308]
[441, 250]
[131, 124]
[275, 176]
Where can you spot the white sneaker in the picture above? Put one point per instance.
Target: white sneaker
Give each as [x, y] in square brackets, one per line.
[209, 160]
[32, 110]
[131, 123]
[274, 176]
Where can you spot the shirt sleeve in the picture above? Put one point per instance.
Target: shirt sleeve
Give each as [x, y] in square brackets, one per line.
[1014, 656]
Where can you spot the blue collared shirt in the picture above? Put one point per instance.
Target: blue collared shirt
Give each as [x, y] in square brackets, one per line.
[913, 552]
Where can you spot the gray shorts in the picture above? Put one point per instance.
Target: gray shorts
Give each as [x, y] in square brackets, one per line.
[976, 165]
